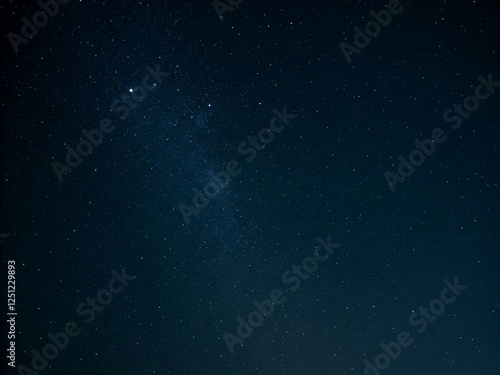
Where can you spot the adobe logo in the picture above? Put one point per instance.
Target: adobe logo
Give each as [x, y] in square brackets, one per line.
[39, 20]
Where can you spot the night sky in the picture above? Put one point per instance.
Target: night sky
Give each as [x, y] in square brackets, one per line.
[264, 194]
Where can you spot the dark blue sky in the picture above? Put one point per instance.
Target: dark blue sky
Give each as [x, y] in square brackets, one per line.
[322, 175]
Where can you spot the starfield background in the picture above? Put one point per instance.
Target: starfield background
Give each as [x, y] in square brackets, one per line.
[362, 261]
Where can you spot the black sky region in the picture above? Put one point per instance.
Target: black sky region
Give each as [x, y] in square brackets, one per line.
[323, 175]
